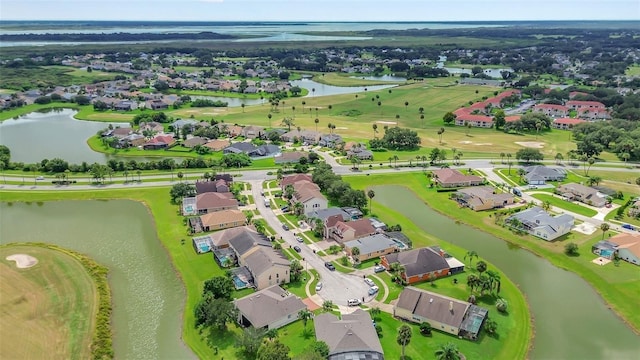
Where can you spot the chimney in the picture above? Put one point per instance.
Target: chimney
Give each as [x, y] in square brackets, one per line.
[451, 306]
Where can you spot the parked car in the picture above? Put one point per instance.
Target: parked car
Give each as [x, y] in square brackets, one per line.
[628, 227]
[532, 187]
[353, 302]
[40, 178]
[369, 282]
[329, 266]
[379, 269]
[297, 248]
[285, 209]
[318, 286]
[285, 226]
[373, 290]
[299, 239]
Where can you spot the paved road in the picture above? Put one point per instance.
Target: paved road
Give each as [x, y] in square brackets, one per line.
[338, 287]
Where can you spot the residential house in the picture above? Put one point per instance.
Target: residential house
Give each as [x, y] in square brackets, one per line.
[220, 239]
[132, 140]
[270, 308]
[421, 264]
[125, 105]
[539, 223]
[194, 141]
[353, 212]
[330, 140]
[231, 130]
[627, 247]
[217, 144]
[152, 126]
[378, 225]
[252, 132]
[371, 247]
[539, 175]
[342, 232]
[593, 114]
[449, 178]
[181, 123]
[218, 220]
[324, 214]
[266, 265]
[309, 195]
[444, 313]
[159, 142]
[482, 198]
[350, 337]
[576, 104]
[551, 110]
[634, 209]
[360, 152]
[157, 104]
[218, 184]
[292, 179]
[305, 136]
[474, 120]
[208, 202]
[289, 157]
[584, 194]
[252, 150]
[566, 123]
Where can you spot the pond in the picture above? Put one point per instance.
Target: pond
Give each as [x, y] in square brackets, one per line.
[55, 134]
[148, 297]
[318, 89]
[381, 78]
[571, 320]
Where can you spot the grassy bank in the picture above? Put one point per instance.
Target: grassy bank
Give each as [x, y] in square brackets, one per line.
[619, 291]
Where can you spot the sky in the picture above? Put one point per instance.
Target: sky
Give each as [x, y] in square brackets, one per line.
[320, 10]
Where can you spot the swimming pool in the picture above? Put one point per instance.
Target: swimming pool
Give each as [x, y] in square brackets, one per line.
[606, 253]
[239, 283]
[203, 247]
[400, 244]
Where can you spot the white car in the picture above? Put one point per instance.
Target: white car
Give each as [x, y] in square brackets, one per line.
[379, 268]
[369, 282]
[40, 178]
[373, 290]
[318, 286]
[353, 302]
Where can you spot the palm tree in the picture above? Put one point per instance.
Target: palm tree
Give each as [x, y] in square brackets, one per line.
[304, 315]
[424, 160]
[298, 208]
[380, 106]
[327, 305]
[180, 175]
[604, 227]
[471, 254]
[546, 206]
[375, 129]
[625, 156]
[422, 119]
[406, 104]
[355, 252]
[448, 351]
[404, 337]
[559, 158]
[371, 194]
[509, 162]
[440, 132]
[421, 110]
[316, 121]
[269, 116]
[303, 104]
[330, 126]
[126, 176]
[288, 122]
[139, 172]
[395, 160]
[502, 155]
[390, 160]
[502, 305]
[494, 279]
[243, 105]
[481, 266]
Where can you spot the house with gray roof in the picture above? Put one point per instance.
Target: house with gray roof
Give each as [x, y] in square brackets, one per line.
[330, 140]
[269, 308]
[351, 337]
[422, 264]
[180, 123]
[584, 194]
[371, 247]
[265, 265]
[444, 313]
[480, 198]
[324, 214]
[539, 223]
[539, 175]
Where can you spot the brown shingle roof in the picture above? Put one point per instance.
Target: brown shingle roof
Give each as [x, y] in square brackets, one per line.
[292, 179]
[222, 217]
[438, 308]
[448, 176]
[211, 200]
[361, 227]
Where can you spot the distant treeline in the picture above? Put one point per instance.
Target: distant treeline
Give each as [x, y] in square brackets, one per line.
[205, 35]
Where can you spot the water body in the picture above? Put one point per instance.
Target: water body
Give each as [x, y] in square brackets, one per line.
[148, 297]
[571, 320]
[318, 89]
[381, 78]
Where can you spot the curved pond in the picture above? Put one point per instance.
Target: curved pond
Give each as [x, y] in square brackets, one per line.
[571, 320]
[318, 89]
[381, 78]
[147, 295]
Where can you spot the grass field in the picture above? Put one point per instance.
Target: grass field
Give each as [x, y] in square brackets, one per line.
[49, 76]
[566, 205]
[48, 310]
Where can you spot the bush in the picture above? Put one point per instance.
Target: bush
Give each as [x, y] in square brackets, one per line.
[571, 249]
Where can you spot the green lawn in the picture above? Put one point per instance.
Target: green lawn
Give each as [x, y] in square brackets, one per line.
[566, 205]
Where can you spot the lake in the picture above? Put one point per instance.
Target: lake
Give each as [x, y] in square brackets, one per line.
[148, 297]
[318, 89]
[571, 320]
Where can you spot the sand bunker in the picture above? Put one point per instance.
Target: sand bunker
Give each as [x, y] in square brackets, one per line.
[585, 228]
[342, 128]
[387, 122]
[531, 144]
[23, 261]
[465, 142]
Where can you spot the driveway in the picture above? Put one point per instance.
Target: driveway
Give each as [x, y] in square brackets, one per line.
[337, 287]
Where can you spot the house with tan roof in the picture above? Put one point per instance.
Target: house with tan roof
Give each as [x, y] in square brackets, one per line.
[482, 198]
[252, 131]
[292, 179]
[370, 247]
[310, 196]
[288, 157]
[308, 136]
[449, 178]
[627, 247]
[584, 194]
[208, 202]
[217, 221]
[217, 144]
[566, 123]
[350, 337]
[342, 231]
[269, 308]
[444, 313]
[265, 265]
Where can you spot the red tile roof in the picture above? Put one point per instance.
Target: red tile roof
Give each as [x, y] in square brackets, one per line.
[568, 121]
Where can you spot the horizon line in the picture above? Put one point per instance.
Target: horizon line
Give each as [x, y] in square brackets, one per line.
[319, 21]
